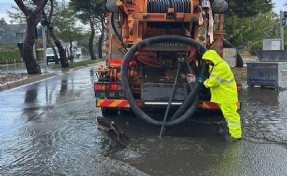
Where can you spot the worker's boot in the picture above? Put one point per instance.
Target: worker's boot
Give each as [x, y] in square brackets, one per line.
[223, 129]
[230, 139]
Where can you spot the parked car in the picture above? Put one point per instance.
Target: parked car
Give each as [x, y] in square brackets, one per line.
[79, 53]
[50, 56]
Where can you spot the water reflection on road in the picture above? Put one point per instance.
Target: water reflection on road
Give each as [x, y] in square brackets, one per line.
[48, 128]
[264, 115]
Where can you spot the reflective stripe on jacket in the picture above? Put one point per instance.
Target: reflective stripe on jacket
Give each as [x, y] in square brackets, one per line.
[221, 80]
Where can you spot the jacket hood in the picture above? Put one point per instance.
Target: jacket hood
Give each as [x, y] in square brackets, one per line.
[212, 56]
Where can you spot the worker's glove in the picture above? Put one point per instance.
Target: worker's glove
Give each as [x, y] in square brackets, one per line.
[200, 80]
[190, 78]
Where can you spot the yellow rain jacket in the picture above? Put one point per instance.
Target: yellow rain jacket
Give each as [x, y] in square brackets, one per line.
[221, 80]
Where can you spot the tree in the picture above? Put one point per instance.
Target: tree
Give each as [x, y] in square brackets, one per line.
[17, 15]
[2, 21]
[244, 31]
[248, 21]
[65, 27]
[248, 8]
[32, 18]
[92, 12]
[57, 42]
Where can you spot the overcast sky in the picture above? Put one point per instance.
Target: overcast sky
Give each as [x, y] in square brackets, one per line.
[6, 5]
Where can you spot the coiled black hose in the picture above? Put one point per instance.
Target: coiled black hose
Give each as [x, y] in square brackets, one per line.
[193, 95]
[161, 6]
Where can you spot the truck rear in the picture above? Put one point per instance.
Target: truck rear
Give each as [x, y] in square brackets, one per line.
[153, 45]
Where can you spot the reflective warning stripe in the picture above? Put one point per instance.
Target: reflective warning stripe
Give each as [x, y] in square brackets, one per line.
[233, 123]
[222, 80]
[112, 103]
[211, 105]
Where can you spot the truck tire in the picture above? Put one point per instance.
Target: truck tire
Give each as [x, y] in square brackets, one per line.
[109, 112]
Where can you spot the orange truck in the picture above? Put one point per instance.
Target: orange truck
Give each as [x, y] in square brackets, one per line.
[152, 47]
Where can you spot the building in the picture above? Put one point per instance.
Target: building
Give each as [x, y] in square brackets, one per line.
[13, 33]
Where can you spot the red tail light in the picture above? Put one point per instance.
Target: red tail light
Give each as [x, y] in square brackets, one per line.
[113, 87]
[133, 64]
[101, 87]
[239, 87]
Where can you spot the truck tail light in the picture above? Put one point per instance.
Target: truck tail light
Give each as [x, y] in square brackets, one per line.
[239, 87]
[98, 87]
[113, 87]
[101, 87]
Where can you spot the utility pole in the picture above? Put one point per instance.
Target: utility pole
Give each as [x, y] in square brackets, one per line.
[283, 17]
[44, 27]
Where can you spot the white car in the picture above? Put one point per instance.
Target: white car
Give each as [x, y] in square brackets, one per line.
[50, 56]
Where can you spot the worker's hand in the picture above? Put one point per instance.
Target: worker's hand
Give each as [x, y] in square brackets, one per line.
[190, 78]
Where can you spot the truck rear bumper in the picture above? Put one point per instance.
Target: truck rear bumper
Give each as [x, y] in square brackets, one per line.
[122, 103]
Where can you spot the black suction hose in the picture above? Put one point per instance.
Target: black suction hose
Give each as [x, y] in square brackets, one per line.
[127, 90]
[117, 33]
[192, 95]
[170, 99]
[114, 27]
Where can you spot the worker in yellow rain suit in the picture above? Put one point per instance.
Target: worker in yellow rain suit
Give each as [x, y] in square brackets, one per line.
[223, 91]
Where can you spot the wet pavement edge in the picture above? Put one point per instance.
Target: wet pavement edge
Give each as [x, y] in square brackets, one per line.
[35, 78]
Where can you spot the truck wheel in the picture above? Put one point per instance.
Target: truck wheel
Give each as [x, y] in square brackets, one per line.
[108, 112]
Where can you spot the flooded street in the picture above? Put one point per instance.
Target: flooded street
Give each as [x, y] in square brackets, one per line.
[49, 128]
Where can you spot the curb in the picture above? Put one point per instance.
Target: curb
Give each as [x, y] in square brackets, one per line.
[30, 79]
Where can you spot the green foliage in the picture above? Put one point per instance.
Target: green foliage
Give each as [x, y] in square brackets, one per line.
[40, 54]
[242, 32]
[248, 8]
[248, 22]
[65, 24]
[9, 56]
[9, 52]
[2, 21]
[88, 9]
[256, 46]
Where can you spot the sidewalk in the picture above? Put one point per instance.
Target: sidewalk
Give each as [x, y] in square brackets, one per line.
[24, 80]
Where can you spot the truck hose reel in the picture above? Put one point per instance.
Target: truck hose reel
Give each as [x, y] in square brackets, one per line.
[189, 105]
[156, 6]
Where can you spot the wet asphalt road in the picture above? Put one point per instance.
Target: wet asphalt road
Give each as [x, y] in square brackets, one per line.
[48, 128]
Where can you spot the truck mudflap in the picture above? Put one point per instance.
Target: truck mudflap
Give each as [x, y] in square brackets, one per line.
[122, 103]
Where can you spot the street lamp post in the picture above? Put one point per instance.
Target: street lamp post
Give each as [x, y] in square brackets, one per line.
[20, 40]
[44, 27]
[283, 17]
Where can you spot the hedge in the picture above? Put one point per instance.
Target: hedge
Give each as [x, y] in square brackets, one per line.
[9, 57]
